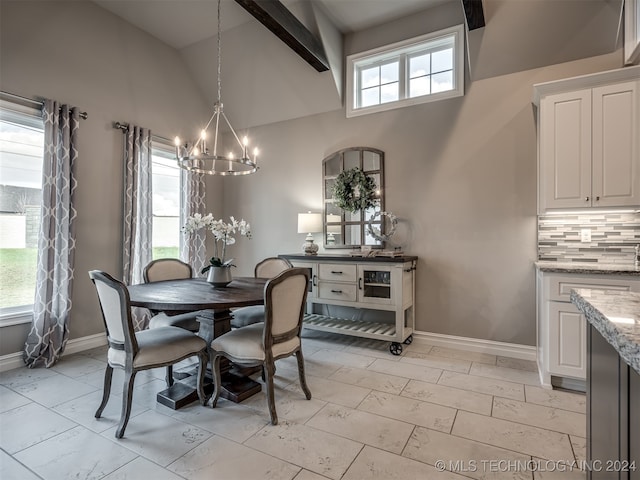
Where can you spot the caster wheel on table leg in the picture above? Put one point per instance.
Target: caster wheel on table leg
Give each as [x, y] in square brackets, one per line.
[408, 340]
[395, 348]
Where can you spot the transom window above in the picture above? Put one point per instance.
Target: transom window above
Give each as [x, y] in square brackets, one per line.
[418, 70]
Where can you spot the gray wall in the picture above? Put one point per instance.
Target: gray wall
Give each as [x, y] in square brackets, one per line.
[460, 173]
[78, 53]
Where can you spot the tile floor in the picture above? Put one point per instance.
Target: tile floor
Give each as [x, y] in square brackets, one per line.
[432, 412]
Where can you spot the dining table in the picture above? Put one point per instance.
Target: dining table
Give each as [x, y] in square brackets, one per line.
[215, 305]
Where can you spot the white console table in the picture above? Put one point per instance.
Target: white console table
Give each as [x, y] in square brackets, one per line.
[370, 297]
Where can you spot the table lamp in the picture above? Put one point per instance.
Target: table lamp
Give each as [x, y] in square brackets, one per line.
[309, 223]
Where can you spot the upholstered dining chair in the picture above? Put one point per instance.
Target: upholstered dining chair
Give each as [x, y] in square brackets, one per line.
[261, 344]
[136, 351]
[267, 268]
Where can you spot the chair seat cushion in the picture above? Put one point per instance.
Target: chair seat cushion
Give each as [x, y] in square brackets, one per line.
[246, 344]
[183, 320]
[245, 316]
[160, 345]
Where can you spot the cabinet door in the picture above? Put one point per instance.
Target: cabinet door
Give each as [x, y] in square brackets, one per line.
[313, 277]
[615, 145]
[567, 341]
[377, 284]
[565, 150]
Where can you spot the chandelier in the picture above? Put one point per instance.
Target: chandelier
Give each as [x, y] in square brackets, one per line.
[201, 156]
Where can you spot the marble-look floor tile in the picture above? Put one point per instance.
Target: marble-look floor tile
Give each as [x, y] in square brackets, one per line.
[96, 379]
[332, 391]
[321, 452]
[290, 405]
[82, 410]
[560, 475]
[408, 410]
[158, 438]
[434, 361]
[308, 475]
[312, 366]
[490, 386]
[517, 364]
[463, 355]
[77, 453]
[418, 346]
[406, 370]
[368, 379]
[363, 427]
[579, 445]
[229, 420]
[550, 418]
[513, 436]
[502, 373]
[141, 468]
[468, 457]
[371, 348]
[323, 340]
[99, 353]
[218, 457]
[78, 365]
[342, 358]
[10, 399]
[374, 464]
[11, 469]
[448, 396]
[54, 390]
[575, 402]
[29, 424]
[25, 376]
[145, 395]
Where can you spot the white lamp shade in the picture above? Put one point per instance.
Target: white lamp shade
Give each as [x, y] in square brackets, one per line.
[309, 222]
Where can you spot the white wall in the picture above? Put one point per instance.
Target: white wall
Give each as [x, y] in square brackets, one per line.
[78, 53]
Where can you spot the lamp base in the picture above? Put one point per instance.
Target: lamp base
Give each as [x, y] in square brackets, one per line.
[310, 248]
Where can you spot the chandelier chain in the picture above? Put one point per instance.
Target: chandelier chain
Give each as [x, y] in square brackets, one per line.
[219, 57]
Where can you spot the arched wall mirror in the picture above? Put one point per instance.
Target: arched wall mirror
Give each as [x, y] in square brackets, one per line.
[342, 228]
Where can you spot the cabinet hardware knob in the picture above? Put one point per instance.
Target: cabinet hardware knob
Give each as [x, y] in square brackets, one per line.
[597, 198]
[336, 291]
[314, 281]
[586, 199]
[360, 283]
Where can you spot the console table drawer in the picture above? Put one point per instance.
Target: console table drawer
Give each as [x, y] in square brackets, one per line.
[337, 291]
[337, 272]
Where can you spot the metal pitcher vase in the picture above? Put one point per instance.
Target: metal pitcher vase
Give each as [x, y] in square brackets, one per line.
[219, 276]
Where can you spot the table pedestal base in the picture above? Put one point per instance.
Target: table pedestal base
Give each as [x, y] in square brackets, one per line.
[236, 386]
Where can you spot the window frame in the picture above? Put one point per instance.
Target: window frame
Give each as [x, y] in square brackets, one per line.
[402, 52]
[31, 118]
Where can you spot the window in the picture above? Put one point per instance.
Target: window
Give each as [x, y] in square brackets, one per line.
[165, 178]
[21, 157]
[415, 71]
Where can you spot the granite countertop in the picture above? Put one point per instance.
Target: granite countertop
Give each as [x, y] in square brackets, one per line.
[348, 258]
[587, 268]
[616, 315]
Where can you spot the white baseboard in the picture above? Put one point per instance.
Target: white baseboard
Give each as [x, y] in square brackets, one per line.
[513, 350]
[14, 360]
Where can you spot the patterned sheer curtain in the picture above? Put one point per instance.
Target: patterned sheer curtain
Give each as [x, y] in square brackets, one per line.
[56, 241]
[138, 218]
[192, 247]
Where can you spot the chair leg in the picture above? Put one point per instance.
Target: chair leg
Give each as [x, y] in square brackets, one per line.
[169, 377]
[202, 367]
[303, 380]
[270, 370]
[217, 384]
[127, 394]
[106, 391]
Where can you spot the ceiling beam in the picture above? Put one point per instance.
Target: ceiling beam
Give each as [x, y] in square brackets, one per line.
[277, 18]
[474, 12]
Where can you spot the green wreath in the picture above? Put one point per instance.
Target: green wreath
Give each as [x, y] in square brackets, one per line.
[354, 190]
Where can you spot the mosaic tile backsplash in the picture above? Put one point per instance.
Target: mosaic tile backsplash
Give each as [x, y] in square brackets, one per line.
[613, 237]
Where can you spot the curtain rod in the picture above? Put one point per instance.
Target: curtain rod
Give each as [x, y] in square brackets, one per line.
[39, 103]
[125, 126]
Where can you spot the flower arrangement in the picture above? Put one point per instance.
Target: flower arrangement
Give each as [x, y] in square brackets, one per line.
[354, 190]
[222, 233]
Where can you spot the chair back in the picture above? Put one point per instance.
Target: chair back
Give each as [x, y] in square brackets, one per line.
[166, 269]
[285, 301]
[116, 311]
[272, 266]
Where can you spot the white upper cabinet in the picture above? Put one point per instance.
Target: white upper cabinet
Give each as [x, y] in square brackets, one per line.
[589, 141]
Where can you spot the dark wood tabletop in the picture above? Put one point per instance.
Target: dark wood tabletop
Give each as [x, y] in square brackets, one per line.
[197, 294]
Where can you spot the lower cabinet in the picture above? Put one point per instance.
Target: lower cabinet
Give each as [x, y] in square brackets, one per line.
[561, 328]
[613, 413]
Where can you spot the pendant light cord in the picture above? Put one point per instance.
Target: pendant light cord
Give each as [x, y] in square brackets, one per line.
[219, 59]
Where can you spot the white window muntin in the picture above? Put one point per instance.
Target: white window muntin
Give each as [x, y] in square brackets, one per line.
[403, 52]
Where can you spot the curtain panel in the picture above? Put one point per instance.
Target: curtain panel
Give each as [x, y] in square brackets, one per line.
[138, 215]
[56, 241]
[193, 249]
